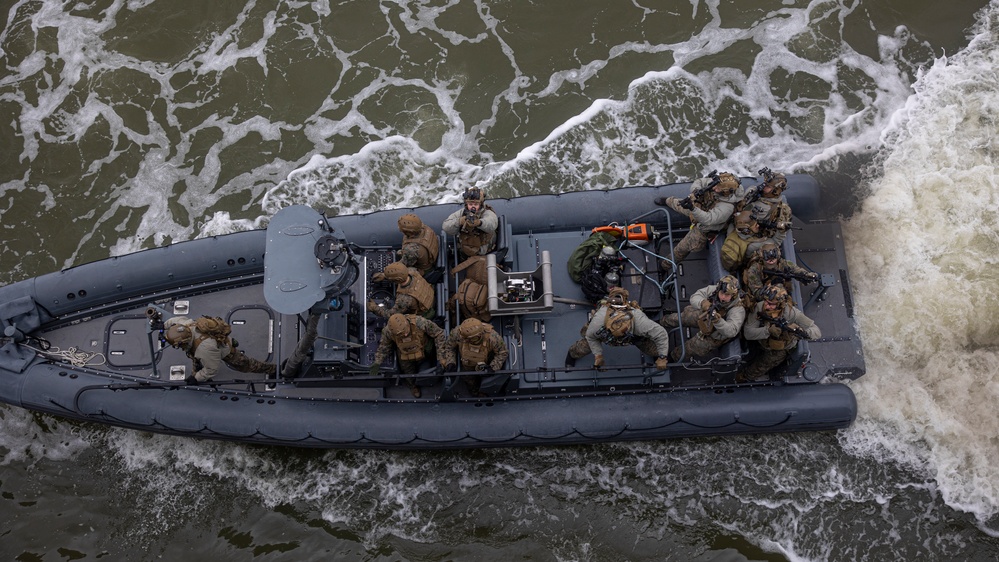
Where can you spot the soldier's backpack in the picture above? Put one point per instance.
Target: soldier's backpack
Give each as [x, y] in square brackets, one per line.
[213, 327]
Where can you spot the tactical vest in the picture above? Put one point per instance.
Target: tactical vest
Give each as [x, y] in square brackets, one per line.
[618, 321]
[420, 290]
[474, 300]
[429, 247]
[412, 347]
[787, 340]
[210, 327]
[473, 354]
[472, 242]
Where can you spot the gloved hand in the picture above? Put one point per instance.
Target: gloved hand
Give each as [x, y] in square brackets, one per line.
[373, 370]
[813, 277]
[662, 363]
[378, 277]
[439, 370]
[705, 304]
[373, 306]
[705, 324]
[774, 331]
[598, 361]
[489, 369]
[687, 204]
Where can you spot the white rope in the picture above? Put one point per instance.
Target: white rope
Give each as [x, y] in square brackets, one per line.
[73, 356]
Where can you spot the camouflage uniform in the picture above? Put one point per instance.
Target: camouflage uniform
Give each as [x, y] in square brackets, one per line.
[705, 223]
[710, 336]
[647, 335]
[754, 279]
[776, 345]
[209, 354]
[436, 341]
[480, 349]
[474, 239]
[413, 294]
[420, 244]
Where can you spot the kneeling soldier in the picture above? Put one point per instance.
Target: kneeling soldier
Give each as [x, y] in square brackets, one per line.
[717, 312]
[777, 326]
[413, 295]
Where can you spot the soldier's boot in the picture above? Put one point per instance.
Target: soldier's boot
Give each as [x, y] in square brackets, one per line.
[413, 389]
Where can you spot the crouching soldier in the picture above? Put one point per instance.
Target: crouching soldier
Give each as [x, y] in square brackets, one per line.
[413, 295]
[415, 338]
[709, 206]
[471, 297]
[717, 312]
[776, 326]
[620, 322]
[207, 342]
[767, 267]
[480, 348]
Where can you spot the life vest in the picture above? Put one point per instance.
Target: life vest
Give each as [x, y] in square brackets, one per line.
[419, 289]
[412, 346]
[638, 233]
[429, 247]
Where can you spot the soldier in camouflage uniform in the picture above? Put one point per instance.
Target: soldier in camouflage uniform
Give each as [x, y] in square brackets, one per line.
[755, 277]
[718, 313]
[420, 245]
[709, 214]
[619, 322]
[742, 240]
[413, 295]
[474, 224]
[767, 206]
[414, 337]
[208, 352]
[480, 348]
[471, 295]
[776, 342]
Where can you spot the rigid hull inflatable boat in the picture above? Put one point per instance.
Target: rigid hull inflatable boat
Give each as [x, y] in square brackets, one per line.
[86, 343]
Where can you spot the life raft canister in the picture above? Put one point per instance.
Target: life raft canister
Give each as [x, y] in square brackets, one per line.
[638, 233]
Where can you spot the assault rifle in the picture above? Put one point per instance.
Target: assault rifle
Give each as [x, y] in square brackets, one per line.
[787, 275]
[774, 225]
[783, 324]
[756, 192]
[701, 195]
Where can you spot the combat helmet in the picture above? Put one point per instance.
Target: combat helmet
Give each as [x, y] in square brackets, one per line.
[474, 193]
[770, 251]
[727, 184]
[617, 297]
[396, 272]
[729, 285]
[473, 330]
[410, 224]
[398, 325]
[777, 182]
[178, 335]
[775, 294]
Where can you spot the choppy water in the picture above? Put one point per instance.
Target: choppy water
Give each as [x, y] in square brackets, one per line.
[127, 124]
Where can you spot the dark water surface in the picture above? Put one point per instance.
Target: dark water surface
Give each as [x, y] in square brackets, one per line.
[130, 124]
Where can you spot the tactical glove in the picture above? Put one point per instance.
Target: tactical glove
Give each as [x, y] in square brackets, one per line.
[775, 332]
[378, 277]
[373, 306]
[598, 361]
[662, 363]
[373, 370]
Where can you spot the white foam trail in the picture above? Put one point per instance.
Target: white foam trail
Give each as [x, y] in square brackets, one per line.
[924, 263]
